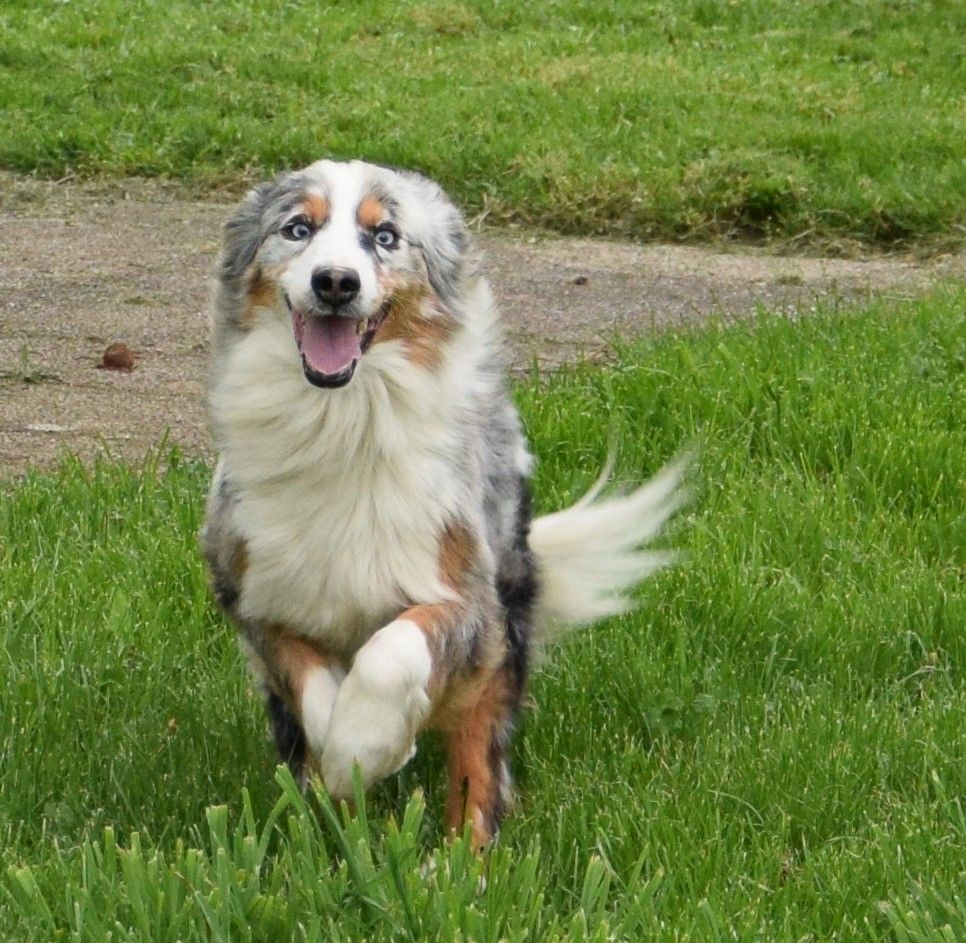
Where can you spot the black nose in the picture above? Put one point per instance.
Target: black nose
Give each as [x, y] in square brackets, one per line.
[336, 286]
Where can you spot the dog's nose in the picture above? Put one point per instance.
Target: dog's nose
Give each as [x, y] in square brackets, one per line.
[336, 286]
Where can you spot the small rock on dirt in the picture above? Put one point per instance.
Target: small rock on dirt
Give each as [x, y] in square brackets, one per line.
[118, 357]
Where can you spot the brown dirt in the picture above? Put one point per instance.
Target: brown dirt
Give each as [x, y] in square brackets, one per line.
[83, 266]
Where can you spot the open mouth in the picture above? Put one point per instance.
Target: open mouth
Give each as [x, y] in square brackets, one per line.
[331, 346]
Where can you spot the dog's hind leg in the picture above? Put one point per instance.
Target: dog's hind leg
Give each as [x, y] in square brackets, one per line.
[479, 734]
[479, 776]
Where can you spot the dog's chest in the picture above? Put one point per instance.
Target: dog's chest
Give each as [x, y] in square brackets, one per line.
[340, 497]
[336, 558]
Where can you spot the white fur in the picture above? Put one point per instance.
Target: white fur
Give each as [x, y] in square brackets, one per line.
[379, 708]
[588, 555]
[343, 493]
[337, 243]
[318, 697]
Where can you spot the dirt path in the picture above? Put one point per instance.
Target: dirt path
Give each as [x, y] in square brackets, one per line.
[82, 266]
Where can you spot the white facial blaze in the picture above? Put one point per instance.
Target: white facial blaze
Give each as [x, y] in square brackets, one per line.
[337, 244]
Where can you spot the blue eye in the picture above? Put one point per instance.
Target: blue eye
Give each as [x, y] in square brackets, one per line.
[387, 237]
[298, 230]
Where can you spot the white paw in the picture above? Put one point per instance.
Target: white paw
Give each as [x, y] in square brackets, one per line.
[319, 692]
[379, 709]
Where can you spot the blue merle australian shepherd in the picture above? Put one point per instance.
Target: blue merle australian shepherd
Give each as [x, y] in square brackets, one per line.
[368, 527]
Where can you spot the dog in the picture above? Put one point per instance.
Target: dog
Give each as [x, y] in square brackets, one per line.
[368, 528]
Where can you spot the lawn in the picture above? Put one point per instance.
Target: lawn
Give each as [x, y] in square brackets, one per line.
[771, 749]
[821, 123]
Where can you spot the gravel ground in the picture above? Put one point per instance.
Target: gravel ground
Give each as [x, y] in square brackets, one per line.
[84, 265]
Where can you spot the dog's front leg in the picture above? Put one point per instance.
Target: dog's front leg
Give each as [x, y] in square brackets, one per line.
[301, 686]
[384, 700]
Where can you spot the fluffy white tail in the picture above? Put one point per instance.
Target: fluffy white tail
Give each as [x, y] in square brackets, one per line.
[589, 555]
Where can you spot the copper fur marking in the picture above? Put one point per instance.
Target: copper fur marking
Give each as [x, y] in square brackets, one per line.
[238, 562]
[316, 209]
[419, 324]
[458, 553]
[438, 622]
[289, 659]
[371, 212]
[442, 623]
[262, 293]
[474, 785]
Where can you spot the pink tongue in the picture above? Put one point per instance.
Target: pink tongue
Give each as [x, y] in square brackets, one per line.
[330, 344]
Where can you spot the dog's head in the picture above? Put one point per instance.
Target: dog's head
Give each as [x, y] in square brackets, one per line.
[353, 254]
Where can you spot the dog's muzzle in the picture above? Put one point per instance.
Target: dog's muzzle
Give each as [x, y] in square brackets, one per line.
[331, 345]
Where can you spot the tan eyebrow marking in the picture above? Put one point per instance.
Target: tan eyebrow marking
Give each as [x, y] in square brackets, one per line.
[371, 213]
[316, 208]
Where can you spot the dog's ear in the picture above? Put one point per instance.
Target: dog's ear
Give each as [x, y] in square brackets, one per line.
[445, 252]
[441, 235]
[243, 233]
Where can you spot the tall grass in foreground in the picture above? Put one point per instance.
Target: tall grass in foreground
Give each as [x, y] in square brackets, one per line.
[818, 121]
[771, 749]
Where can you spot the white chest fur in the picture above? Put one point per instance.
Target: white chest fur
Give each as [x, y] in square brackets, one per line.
[342, 493]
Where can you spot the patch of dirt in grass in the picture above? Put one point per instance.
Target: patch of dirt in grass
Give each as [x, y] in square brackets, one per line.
[87, 265]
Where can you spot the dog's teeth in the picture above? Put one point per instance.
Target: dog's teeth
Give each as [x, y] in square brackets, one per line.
[360, 328]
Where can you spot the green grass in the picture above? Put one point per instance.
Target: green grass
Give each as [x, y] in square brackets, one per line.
[772, 749]
[670, 118]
